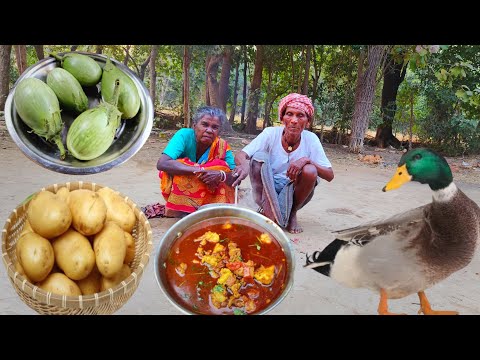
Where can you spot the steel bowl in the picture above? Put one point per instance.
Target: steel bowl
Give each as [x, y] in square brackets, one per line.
[130, 136]
[210, 213]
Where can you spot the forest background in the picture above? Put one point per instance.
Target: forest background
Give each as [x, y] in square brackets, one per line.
[382, 95]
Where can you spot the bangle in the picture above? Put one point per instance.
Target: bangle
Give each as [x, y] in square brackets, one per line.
[223, 176]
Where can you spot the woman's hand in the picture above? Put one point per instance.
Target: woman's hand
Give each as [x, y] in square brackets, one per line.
[210, 177]
[296, 167]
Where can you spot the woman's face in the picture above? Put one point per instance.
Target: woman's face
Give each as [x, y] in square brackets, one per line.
[295, 120]
[207, 129]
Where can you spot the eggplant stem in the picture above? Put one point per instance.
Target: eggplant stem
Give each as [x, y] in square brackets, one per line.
[59, 143]
[55, 55]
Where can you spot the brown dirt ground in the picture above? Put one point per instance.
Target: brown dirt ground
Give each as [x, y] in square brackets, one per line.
[354, 196]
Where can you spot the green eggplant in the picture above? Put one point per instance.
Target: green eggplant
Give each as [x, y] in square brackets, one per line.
[83, 67]
[68, 90]
[93, 131]
[129, 99]
[38, 107]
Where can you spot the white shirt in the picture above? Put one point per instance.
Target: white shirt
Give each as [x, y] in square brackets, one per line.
[270, 141]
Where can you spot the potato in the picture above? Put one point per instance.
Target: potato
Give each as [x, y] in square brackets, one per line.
[48, 215]
[60, 284]
[118, 210]
[130, 242]
[35, 254]
[63, 193]
[74, 254]
[92, 283]
[19, 268]
[108, 283]
[88, 211]
[110, 248]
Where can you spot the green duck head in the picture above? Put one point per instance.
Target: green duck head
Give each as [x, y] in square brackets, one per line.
[422, 165]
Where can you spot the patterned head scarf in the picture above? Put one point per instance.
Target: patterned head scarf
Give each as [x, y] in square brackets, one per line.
[297, 101]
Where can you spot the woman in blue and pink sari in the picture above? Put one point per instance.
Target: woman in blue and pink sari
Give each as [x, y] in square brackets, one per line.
[195, 167]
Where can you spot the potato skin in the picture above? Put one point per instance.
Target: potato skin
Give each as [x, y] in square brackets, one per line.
[130, 242]
[110, 248]
[92, 283]
[89, 211]
[63, 193]
[74, 254]
[48, 215]
[118, 210]
[35, 255]
[107, 283]
[19, 268]
[60, 284]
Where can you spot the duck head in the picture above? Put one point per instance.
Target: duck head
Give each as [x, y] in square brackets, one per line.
[422, 165]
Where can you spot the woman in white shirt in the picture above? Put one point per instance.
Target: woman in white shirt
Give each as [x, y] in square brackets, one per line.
[284, 163]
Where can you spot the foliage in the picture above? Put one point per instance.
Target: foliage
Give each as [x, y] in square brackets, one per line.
[441, 80]
[447, 129]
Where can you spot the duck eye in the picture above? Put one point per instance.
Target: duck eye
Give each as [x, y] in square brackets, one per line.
[417, 157]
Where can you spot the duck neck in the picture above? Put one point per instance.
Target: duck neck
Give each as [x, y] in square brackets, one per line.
[445, 194]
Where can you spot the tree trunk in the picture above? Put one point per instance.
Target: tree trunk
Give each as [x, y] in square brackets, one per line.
[317, 71]
[392, 78]
[143, 67]
[207, 91]
[254, 97]
[39, 51]
[338, 139]
[21, 57]
[99, 49]
[307, 71]
[127, 55]
[244, 99]
[225, 78]
[300, 72]
[235, 95]
[73, 47]
[213, 86]
[364, 94]
[186, 86]
[268, 95]
[5, 51]
[153, 73]
[293, 67]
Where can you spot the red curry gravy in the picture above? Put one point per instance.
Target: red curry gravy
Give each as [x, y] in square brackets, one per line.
[239, 271]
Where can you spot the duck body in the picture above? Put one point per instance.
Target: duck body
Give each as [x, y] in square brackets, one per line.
[411, 251]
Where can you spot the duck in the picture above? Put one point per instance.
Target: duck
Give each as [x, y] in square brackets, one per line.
[411, 251]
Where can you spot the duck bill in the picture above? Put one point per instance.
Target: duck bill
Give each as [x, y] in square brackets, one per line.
[401, 177]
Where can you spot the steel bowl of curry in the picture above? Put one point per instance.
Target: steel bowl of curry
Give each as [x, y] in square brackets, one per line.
[224, 260]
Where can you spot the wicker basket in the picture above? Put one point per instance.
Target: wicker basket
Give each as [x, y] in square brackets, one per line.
[105, 302]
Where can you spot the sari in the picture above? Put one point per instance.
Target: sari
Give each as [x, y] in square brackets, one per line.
[187, 192]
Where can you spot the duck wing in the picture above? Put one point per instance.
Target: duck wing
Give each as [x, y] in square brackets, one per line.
[363, 234]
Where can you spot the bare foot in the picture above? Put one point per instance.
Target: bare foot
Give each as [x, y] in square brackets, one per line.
[293, 226]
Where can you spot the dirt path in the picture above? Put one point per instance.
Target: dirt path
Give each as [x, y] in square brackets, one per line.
[353, 197]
